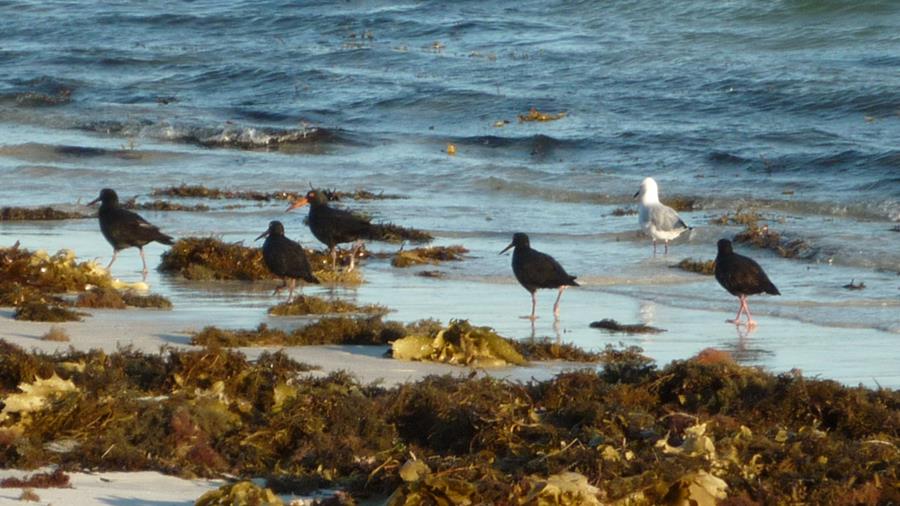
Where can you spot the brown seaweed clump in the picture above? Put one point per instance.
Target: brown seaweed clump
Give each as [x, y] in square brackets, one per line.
[59, 273]
[390, 232]
[762, 237]
[535, 115]
[42, 312]
[55, 479]
[308, 304]
[550, 349]
[707, 267]
[56, 334]
[430, 255]
[698, 432]
[635, 328]
[200, 191]
[336, 330]
[739, 217]
[45, 213]
[207, 258]
[164, 205]
[110, 298]
[459, 343]
[242, 492]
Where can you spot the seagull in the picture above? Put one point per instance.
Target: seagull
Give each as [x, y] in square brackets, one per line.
[741, 276]
[658, 221]
[285, 258]
[536, 270]
[125, 229]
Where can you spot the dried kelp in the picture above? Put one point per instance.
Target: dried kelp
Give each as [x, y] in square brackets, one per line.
[337, 330]
[707, 267]
[164, 205]
[308, 304]
[430, 255]
[59, 273]
[55, 479]
[38, 214]
[200, 191]
[630, 328]
[57, 334]
[552, 349]
[693, 431]
[110, 298]
[459, 343]
[41, 312]
[535, 115]
[762, 237]
[390, 232]
[242, 492]
[207, 258]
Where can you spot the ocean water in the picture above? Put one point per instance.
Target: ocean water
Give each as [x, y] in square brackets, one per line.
[789, 108]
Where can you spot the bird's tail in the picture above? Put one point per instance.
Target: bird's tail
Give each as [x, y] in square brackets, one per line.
[388, 232]
[165, 239]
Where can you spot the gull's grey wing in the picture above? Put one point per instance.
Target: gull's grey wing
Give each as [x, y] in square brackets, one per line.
[665, 218]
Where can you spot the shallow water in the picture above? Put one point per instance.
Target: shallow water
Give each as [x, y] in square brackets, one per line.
[791, 109]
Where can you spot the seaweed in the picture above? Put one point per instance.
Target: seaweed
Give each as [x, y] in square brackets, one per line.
[49, 274]
[762, 237]
[432, 274]
[57, 334]
[623, 211]
[29, 495]
[45, 213]
[207, 258]
[152, 300]
[242, 492]
[535, 115]
[164, 205]
[706, 267]
[336, 330]
[430, 255]
[389, 232]
[56, 479]
[704, 430]
[308, 304]
[855, 286]
[549, 349]
[633, 328]
[200, 191]
[41, 312]
[110, 298]
[739, 217]
[459, 343]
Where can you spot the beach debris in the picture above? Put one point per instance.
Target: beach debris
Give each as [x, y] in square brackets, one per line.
[451, 149]
[29, 494]
[310, 304]
[43, 312]
[333, 330]
[163, 205]
[390, 232]
[200, 191]
[459, 343]
[37, 99]
[45, 213]
[434, 274]
[207, 258]
[633, 328]
[54, 479]
[739, 217]
[762, 237]
[428, 255]
[678, 434]
[35, 396]
[500, 123]
[149, 301]
[535, 115]
[56, 334]
[623, 211]
[896, 228]
[539, 349]
[706, 267]
[854, 286]
[240, 493]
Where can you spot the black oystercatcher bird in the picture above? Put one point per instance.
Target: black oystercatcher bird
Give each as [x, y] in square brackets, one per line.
[333, 226]
[285, 258]
[741, 276]
[536, 270]
[125, 229]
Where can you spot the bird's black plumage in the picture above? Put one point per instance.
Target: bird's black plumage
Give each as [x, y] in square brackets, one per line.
[333, 226]
[285, 258]
[741, 275]
[534, 270]
[125, 229]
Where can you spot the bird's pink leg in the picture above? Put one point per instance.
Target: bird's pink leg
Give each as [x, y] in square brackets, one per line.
[737, 319]
[291, 291]
[654, 247]
[144, 260]
[556, 304]
[115, 253]
[353, 252]
[533, 306]
[280, 288]
[750, 322]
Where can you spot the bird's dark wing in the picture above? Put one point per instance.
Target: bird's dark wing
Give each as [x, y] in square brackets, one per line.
[345, 225]
[285, 257]
[540, 270]
[124, 228]
[741, 275]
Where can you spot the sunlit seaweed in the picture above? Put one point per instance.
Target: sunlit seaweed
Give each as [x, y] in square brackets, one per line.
[707, 267]
[430, 255]
[459, 343]
[110, 298]
[164, 205]
[56, 334]
[55, 479]
[335, 330]
[762, 237]
[200, 191]
[206, 258]
[629, 433]
[535, 115]
[550, 349]
[242, 492]
[308, 304]
[42, 312]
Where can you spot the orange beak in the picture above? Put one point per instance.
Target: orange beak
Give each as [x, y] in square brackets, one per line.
[297, 203]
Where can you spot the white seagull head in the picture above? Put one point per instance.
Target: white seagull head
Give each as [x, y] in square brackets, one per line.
[649, 192]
